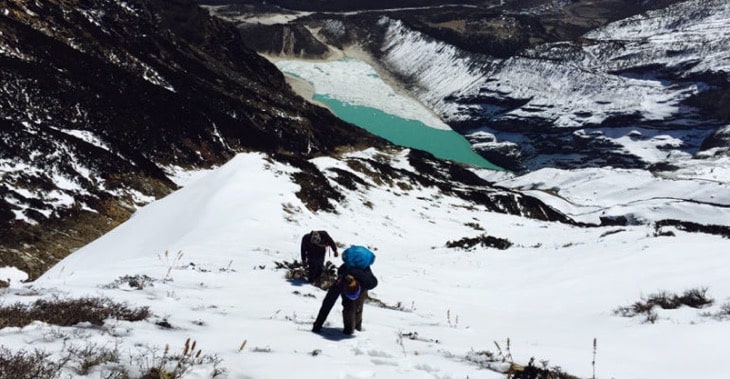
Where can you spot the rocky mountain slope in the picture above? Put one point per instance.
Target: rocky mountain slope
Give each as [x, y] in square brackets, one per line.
[103, 102]
[537, 84]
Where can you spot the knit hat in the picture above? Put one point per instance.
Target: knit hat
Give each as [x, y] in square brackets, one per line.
[352, 288]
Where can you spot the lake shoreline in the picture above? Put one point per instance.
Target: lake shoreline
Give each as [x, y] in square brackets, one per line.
[306, 90]
[351, 86]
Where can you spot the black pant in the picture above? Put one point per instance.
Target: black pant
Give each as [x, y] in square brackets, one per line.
[314, 270]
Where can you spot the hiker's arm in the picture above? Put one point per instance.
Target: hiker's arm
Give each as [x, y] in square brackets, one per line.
[304, 250]
[329, 242]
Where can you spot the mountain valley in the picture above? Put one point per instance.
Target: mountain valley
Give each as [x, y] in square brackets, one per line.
[160, 161]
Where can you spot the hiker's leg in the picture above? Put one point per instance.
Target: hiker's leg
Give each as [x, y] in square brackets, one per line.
[348, 316]
[359, 305]
[329, 301]
[315, 271]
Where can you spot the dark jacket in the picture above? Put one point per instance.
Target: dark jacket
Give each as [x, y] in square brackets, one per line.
[364, 276]
[367, 282]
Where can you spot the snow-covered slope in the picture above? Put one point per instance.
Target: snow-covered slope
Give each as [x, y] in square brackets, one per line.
[690, 38]
[437, 69]
[209, 249]
[571, 85]
[640, 196]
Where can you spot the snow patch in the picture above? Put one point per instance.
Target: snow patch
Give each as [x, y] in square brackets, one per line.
[13, 276]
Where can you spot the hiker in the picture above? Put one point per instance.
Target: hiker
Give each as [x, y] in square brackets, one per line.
[314, 247]
[354, 280]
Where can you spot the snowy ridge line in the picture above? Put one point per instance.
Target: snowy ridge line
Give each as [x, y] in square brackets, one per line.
[653, 202]
[587, 194]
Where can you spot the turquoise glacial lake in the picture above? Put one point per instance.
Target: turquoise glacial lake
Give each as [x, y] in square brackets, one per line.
[444, 144]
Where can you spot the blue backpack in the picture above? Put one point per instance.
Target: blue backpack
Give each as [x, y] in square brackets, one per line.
[358, 256]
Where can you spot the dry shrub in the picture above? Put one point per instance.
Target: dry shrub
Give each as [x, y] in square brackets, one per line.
[484, 240]
[68, 312]
[27, 365]
[695, 298]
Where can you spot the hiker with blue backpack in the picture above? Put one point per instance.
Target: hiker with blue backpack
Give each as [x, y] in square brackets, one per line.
[354, 280]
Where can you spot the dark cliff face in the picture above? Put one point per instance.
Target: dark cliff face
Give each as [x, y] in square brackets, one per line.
[292, 41]
[497, 28]
[99, 99]
[340, 5]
